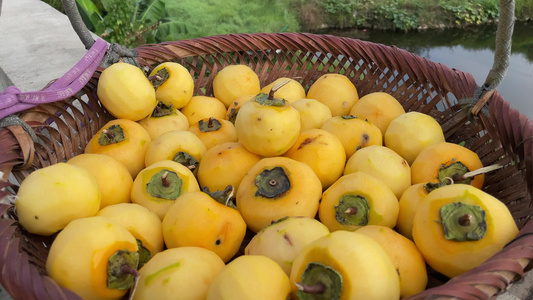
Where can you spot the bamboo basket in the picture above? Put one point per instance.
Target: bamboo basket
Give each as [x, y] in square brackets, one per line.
[502, 136]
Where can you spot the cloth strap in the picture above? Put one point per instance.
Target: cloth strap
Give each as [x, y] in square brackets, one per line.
[12, 100]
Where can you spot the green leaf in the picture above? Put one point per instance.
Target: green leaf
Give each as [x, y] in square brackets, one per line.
[154, 11]
[89, 13]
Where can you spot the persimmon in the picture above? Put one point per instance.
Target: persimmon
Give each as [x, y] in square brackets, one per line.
[103, 267]
[445, 163]
[336, 91]
[174, 85]
[205, 219]
[344, 265]
[458, 227]
[124, 140]
[276, 187]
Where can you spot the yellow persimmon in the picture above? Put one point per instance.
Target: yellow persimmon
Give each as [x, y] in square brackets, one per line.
[409, 202]
[457, 227]
[197, 219]
[160, 184]
[225, 164]
[201, 107]
[212, 131]
[85, 251]
[176, 86]
[441, 162]
[276, 187]
[126, 92]
[356, 200]
[290, 91]
[354, 265]
[185, 273]
[322, 151]
[250, 277]
[405, 256]
[336, 91]
[124, 140]
[142, 223]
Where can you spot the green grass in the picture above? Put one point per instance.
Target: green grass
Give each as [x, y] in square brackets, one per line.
[186, 19]
[205, 18]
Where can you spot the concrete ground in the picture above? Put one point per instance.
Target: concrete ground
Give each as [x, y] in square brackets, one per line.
[38, 45]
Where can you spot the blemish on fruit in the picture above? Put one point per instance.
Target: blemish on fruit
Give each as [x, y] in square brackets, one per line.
[366, 138]
[218, 242]
[286, 237]
[36, 218]
[305, 142]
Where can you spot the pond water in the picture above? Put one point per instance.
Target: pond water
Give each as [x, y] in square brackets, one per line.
[470, 50]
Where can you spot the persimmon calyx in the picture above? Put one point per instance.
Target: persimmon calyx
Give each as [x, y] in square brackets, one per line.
[144, 254]
[272, 183]
[187, 160]
[159, 77]
[165, 184]
[265, 100]
[162, 110]
[352, 210]
[122, 269]
[463, 222]
[319, 281]
[211, 124]
[224, 196]
[112, 135]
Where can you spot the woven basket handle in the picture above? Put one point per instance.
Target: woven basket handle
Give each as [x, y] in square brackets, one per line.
[115, 52]
[502, 55]
[74, 16]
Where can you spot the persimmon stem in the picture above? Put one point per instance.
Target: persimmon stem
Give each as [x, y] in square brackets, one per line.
[108, 133]
[135, 273]
[317, 288]
[275, 88]
[155, 77]
[164, 180]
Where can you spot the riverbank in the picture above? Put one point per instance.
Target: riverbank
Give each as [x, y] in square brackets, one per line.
[404, 15]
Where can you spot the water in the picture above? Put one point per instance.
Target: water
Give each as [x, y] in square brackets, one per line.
[470, 50]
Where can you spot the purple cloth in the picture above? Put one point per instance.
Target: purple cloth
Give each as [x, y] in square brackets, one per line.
[12, 100]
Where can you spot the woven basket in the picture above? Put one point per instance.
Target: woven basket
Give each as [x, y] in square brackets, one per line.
[503, 136]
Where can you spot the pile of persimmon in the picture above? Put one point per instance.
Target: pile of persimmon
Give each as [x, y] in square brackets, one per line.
[343, 197]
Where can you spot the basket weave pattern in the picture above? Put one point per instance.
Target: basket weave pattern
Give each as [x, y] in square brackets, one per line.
[503, 136]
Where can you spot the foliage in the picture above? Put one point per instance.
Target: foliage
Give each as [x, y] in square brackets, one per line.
[472, 13]
[131, 22]
[390, 14]
[134, 22]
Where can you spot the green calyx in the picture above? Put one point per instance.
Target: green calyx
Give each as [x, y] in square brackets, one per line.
[159, 77]
[352, 210]
[165, 184]
[455, 172]
[212, 124]
[463, 222]
[144, 254]
[122, 269]
[162, 110]
[232, 115]
[450, 174]
[272, 183]
[319, 282]
[112, 135]
[266, 100]
[187, 160]
[224, 197]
